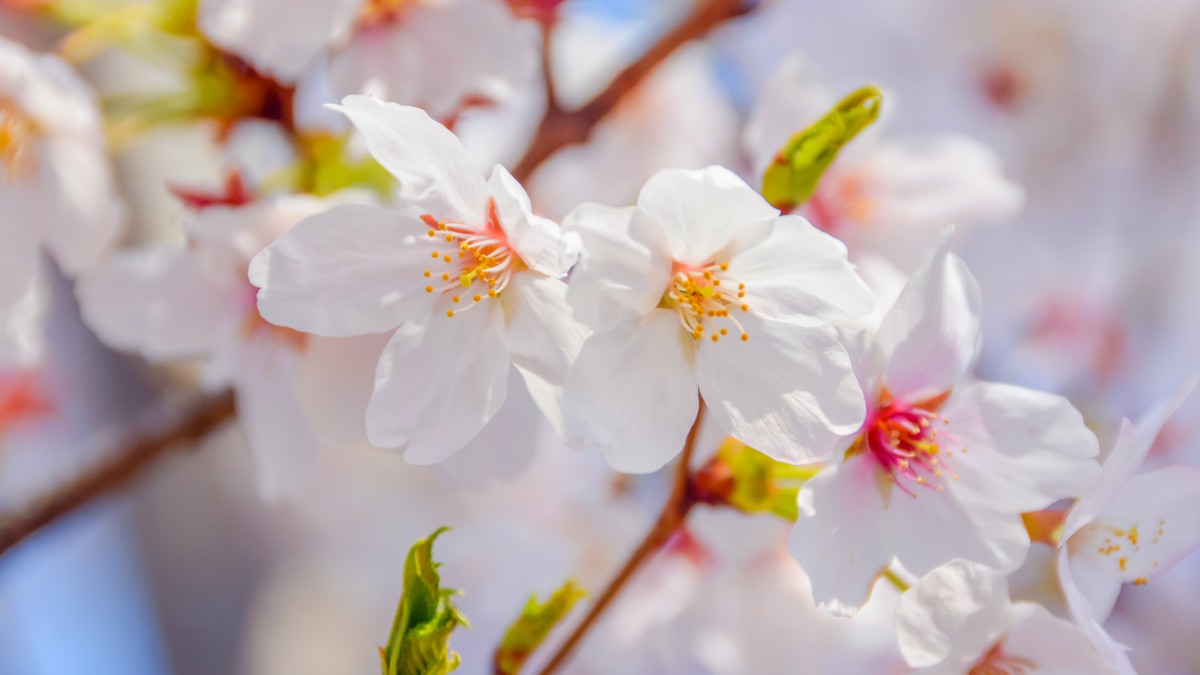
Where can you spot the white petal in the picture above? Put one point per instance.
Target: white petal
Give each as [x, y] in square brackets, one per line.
[1132, 445]
[538, 241]
[632, 393]
[1051, 644]
[1154, 522]
[930, 337]
[280, 439]
[19, 254]
[800, 274]
[160, 302]
[433, 167]
[789, 391]
[334, 381]
[1026, 449]
[1094, 580]
[624, 265]
[21, 322]
[542, 337]
[352, 270]
[1089, 594]
[86, 217]
[272, 35]
[952, 615]
[412, 61]
[438, 382]
[701, 210]
[840, 538]
[937, 526]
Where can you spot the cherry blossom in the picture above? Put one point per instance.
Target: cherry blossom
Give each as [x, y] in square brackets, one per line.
[1128, 528]
[468, 284]
[958, 620]
[56, 190]
[403, 50]
[944, 466]
[704, 288]
[169, 303]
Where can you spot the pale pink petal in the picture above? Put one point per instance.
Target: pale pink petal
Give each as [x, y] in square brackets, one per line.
[1153, 523]
[788, 391]
[930, 337]
[439, 381]
[542, 338]
[412, 60]
[21, 323]
[952, 615]
[1093, 579]
[624, 265]
[1051, 644]
[334, 381]
[1091, 592]
[282, 443]
[632, 393]
[1025, 449]
[275, 36]
[800, 274]
[538, 241]
[840, 538]
[701, 210]
[433, 167]
[84, 217]
[161, 303]
[352, 270]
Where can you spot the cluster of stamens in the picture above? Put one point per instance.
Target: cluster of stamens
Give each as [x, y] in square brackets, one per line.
[911, 443]
[16, 134]
[474, 265]
[702, 297]
[1120, 542]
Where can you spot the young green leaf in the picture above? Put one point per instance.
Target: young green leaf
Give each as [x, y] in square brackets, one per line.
[793, 175]
[533, 625]
[425, 618]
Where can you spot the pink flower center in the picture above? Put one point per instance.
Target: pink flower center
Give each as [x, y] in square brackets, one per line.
[382, 12]
[910, 442]
[996, 662]
[474, 265]
[704, 296]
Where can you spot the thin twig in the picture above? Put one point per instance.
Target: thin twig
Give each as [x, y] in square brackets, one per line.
[115, 472]
[674, 513]
[560, 128]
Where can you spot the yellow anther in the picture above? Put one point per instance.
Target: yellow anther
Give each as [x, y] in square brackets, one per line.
[446, 258]
[427, 272]
[478, 297]
[450, 313]
[434, 254]
[429, 289]
[745, 337]
[724, 267]
[454, 299]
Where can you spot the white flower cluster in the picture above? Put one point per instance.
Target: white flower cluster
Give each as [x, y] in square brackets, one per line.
[843, 336]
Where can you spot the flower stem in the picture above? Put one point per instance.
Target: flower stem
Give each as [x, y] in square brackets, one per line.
[115, 472]
[672, 518]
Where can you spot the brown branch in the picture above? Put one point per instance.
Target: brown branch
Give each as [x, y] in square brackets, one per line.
[116, 471]
[560, 128]
[674, 514]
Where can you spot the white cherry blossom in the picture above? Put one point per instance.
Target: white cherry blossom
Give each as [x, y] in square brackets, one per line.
[56, 189]
[944, 466]
[432, 53]
[1128, 528]
[704, 288]
[168, 302]
[959, 620]
[468, 284]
